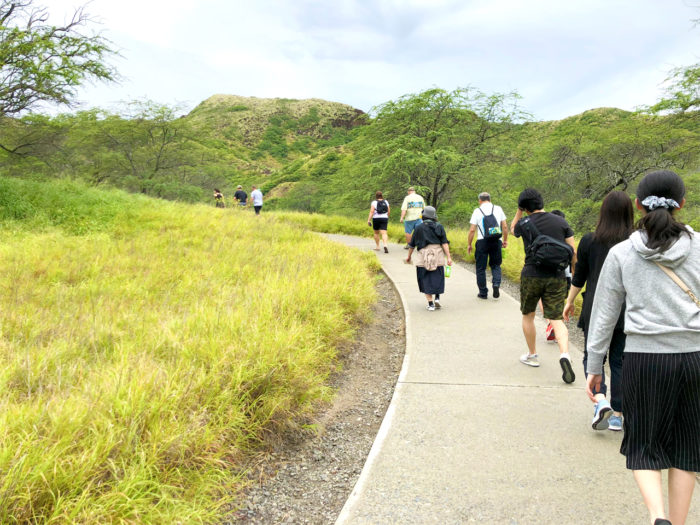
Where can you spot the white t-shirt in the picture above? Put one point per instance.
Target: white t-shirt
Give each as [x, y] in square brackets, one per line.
[256, 195]
[380, 215]
[477, 217]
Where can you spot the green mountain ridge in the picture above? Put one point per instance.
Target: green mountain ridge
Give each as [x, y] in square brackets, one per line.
[315, 155]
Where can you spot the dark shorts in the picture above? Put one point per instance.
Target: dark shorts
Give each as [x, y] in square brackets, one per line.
[661, 404]
[552, 291]
[257, 209]
[380, 224]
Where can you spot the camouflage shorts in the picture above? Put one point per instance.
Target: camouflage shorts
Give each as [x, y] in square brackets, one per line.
[552, 291]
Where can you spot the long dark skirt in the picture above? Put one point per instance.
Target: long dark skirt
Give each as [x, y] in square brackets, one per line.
[431, 282]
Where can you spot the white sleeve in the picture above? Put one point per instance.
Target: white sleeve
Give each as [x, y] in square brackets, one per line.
[475, 217]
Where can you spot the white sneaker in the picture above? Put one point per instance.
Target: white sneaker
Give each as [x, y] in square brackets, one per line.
[437, 303]
[430, 308]
[529, 359]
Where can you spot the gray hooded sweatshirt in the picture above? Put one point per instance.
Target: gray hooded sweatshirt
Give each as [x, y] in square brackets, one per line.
[660, 318]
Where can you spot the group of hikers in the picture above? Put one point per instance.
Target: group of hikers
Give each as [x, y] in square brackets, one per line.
[241, 198]
[640, 312]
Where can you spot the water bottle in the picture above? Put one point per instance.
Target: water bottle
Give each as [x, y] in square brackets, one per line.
[448, 270]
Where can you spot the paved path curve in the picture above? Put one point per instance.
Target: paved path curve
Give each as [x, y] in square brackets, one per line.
[474, 436]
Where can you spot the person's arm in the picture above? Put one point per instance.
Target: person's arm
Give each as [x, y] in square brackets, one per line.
[504, 229]
[470, 237]
[403, 214]
[609, 298]
[371, 212]
[404, 208]
[446, 249]
[569, 307]
[570, 242]
[410, 252]
[516, 220]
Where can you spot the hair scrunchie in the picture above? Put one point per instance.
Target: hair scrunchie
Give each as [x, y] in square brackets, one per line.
[652, 202]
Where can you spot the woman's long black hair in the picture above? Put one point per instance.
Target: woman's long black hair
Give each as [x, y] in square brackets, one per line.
[615, 220]
[660, 225]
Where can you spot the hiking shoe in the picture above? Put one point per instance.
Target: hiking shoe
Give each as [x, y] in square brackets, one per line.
[386, 250]
[437, 303]
[430, 307]
[615, 423]
[601, 414]
[529, 360]
[662, 521]
[549, 333]
[405, 247]
[567, 375]
[482, 296]
[496, 292]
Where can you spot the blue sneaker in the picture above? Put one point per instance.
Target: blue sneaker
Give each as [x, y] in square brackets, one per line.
[615, 423]
[602, 413]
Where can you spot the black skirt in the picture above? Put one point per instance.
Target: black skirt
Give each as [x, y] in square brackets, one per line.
[431, 282]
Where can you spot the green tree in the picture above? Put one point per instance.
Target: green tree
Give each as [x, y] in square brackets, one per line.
[682, 91]
[434, 139]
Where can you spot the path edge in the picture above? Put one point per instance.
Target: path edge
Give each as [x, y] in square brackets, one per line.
[387, 421]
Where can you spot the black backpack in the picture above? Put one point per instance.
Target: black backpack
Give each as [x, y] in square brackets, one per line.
[491, 229]
[382, 206]
[547, 253]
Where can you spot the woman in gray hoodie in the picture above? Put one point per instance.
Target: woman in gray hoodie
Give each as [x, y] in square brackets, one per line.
[661, 368]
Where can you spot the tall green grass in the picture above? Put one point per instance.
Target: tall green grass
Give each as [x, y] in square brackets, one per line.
[147, 346]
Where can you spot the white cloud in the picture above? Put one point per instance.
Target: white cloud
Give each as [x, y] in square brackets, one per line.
[563, 57]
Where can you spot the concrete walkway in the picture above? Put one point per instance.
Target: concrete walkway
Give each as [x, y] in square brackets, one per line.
[474, 436]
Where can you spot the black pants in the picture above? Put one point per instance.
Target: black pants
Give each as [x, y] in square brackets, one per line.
[488, 252]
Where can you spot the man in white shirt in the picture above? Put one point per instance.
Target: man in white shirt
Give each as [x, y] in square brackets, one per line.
[489, 222]
[256, 197]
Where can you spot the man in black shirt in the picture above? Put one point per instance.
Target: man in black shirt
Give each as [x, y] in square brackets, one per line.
[538, 282]
[240, 196]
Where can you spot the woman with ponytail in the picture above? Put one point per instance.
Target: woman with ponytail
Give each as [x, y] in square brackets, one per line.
[661, 368]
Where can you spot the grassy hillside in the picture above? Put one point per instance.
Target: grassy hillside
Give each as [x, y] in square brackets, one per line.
[147, 346]
[325, 157]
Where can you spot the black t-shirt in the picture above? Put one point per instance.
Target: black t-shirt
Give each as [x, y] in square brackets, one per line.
[547, 224]
[240, 195]
[428, 232]
[590, 256]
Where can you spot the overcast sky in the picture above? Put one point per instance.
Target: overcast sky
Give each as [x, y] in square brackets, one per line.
[562, 56]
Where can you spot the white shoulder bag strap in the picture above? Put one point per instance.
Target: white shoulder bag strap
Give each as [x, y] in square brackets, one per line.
[680, 283]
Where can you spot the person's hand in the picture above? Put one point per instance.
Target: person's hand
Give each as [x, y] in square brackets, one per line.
[449, 261]
[593, 383]
[505, 244]
[369, 223]
[408, 260]
[401, 219]
[469, 249]
[569, 309]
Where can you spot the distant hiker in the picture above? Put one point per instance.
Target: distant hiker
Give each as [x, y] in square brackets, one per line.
[549, 329]
[430, 239]
[489, 223]
[378, 219]
[549, 249]
[615, 223]
[218, 199]
[240, 195]
[411, 210]
[656, 275]
[256, 197]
